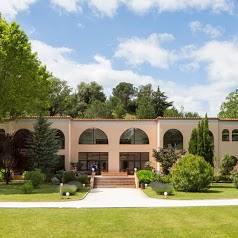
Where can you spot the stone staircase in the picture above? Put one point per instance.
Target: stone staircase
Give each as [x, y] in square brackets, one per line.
[114, 180]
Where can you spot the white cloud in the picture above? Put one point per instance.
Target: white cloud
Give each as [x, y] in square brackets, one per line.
[104, 8]
[10, 8]
[68, 5]
[177, 5]
[221, 59]
[137, 51]
[59, 63]
[212, 31]
[109, 8]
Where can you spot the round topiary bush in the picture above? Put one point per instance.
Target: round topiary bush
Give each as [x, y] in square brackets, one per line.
[191, 173]
[78, 184]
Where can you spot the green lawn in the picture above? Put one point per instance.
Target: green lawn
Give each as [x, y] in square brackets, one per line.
[47, 193]
[217, 191]
[195, 222]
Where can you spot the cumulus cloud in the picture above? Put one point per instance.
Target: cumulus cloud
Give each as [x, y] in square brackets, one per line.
[212, 31]
[10, 8]
[137, 51]
[68, 5]
[109, 8]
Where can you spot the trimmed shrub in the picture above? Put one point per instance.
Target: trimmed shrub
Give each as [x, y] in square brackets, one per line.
[234, 176]
[55, 180]
[160, 188]
[71, 189]
[36, 177]
[68, 176]
[228, 163]
[78, 184]
[163, 178]
[83, 178]
[27, 187]
[146, 176]
[192, 173]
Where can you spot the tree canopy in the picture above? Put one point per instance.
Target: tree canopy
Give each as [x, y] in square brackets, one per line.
[24, 87]
[229, 108]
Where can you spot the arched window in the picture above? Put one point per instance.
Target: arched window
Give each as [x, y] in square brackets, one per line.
[235, 135]
[93, 136]
[2, 131]
[134, 136]
[61, 137]
[225, 135]
[21, 137]
[173, 138]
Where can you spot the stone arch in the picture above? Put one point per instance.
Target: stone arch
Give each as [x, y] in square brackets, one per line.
[93, 136]
[61, 137]
[134, 136]
[173, 138]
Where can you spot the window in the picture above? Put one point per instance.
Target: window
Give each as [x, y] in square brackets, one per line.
[134, 136]
[88, 159]
[21, 137]
[173, 138]
[93, 136]
[235, 135]
[225, 135]
[131, 160]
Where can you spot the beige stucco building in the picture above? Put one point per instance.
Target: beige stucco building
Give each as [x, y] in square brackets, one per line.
[122, 145]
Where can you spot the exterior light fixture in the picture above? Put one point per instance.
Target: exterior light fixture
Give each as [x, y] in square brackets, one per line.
[165, 194]
[67, 194]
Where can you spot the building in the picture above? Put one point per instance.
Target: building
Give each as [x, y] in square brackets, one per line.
[122, 145]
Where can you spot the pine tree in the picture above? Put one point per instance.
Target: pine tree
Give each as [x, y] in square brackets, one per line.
[43, 145]
[192, 149]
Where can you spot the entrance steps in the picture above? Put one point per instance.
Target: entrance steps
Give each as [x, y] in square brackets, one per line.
[114, 181]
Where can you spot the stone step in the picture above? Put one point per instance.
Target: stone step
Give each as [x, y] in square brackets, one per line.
[113, 182]
[114, 173]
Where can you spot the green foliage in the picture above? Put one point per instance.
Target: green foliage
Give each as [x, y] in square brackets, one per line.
[200, 141]
[24, 84]
[228, 164]
[160, 188]
[67, 188]
[43, 145]
[234, 176]
[98, 109]
[36, 177]
[192, 173]
[83, 178]
[167, 157]
[68, 176]
[27, 187]
[192, 147]
[78, 184]
[59, 97]
[145, 109]
[229, 108]
[172, 112]
[146, 176]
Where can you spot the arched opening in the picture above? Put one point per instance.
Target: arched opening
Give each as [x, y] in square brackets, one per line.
[93, 136]
[235, 135]
[134, 136]
[2, 131]
[61, 138]
[173, 138]
[225, 135]
[20, 138]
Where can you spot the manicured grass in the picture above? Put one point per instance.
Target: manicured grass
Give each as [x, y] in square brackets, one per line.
[47, 193]
[189, 222]
[217, 191]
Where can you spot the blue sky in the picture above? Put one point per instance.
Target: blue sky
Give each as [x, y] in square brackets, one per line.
[189, 48]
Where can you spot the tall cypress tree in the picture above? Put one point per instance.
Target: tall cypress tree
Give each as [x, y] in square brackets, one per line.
[200, 141]
[43, 145]
[192, 148]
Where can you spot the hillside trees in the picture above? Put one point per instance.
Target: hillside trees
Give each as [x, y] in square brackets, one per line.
[229, 108]
[24, 86]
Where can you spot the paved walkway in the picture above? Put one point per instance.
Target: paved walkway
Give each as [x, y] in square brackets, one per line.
[119, 197]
